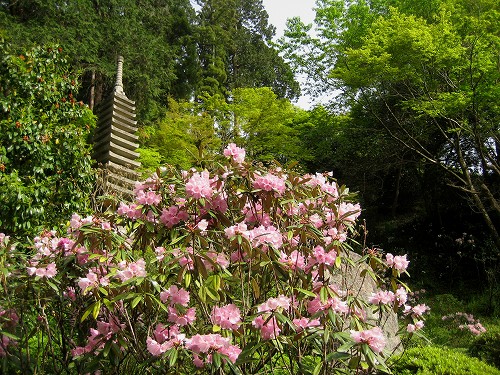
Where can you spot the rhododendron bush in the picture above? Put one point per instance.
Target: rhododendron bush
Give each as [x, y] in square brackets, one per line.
[235, 270]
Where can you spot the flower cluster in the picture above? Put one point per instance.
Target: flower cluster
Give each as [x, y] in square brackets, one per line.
[209, 344]
[205, 265]
[104, 332]
[236, 153]
[270, 182]
[374, 337]
[8, 322]
[397, 262]
[226, 317]
[132, 269]
[466, 322]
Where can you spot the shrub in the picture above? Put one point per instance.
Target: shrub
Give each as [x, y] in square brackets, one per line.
[487, 347]
[432, 360]
[448, 325]
[238, 270]
[45, 165]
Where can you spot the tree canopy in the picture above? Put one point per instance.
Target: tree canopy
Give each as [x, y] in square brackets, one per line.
[425, 75]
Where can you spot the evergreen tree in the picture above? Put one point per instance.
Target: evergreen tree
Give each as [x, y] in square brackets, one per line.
[236, 50]
[154, 36]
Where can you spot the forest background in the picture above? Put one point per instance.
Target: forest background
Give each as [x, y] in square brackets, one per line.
[413, 124]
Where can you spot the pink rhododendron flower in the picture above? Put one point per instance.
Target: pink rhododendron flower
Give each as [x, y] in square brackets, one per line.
[227, 317]
[174, 295]
[186, 260]
[217, 258]
[70, 293]
[130, 270]
[336, 304]
[218, 203]
[382, 297]
[401, 296]
[255, 214]
[131, 211]
[272, 304]
[415, 327]
[49, 271]
[397, 262]
[476, 329]
[90, 280]
[175, 317]
[304, 323]
[320, 180]
[238, 256]
[238, 229]
[212, 343]
[348, 211]
[269, 328]
[154, 347]
[293, 261]
[106, 225]
[148, 198]
[160, 253]
[172, 216]
[316, 220]
[235, 152]
[164, 339]
[199, 186]
[99, 336]
[197, 361]
[75, 222]
[319, 256]
[269, 182]
[420, 309]
[151, 183]
[264, 236]
[373, 337]
[202, 225]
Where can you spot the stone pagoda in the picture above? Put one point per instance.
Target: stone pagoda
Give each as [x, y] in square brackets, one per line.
[115, 142]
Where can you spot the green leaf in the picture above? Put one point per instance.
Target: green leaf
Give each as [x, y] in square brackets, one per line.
[52, 285]
[9, 335]
[136, 301]
[87, 312]
[337, 356]
[187, 279]
[306, 292]
[323, 294]
[172, 357]
[96, 309]
[317, 368]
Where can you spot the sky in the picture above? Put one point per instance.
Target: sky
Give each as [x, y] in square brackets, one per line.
[279, 11]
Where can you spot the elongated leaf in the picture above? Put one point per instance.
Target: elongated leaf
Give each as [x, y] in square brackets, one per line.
[136, 301]
[306, 292]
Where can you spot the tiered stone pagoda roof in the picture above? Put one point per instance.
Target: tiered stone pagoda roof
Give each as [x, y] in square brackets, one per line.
[115, 141]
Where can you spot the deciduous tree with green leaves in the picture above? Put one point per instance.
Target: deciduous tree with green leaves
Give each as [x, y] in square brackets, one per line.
[428, 77]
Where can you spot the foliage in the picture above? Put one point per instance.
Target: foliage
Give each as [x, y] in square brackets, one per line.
[439, 361]
[264, 125]
[235, 50]
[487, 347]
[269, 127]
[155, 38]
[237, 270]
[419, 85]
[184, 136]
[45, 167]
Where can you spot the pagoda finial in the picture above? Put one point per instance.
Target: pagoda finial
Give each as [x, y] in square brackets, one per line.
[119, 75]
